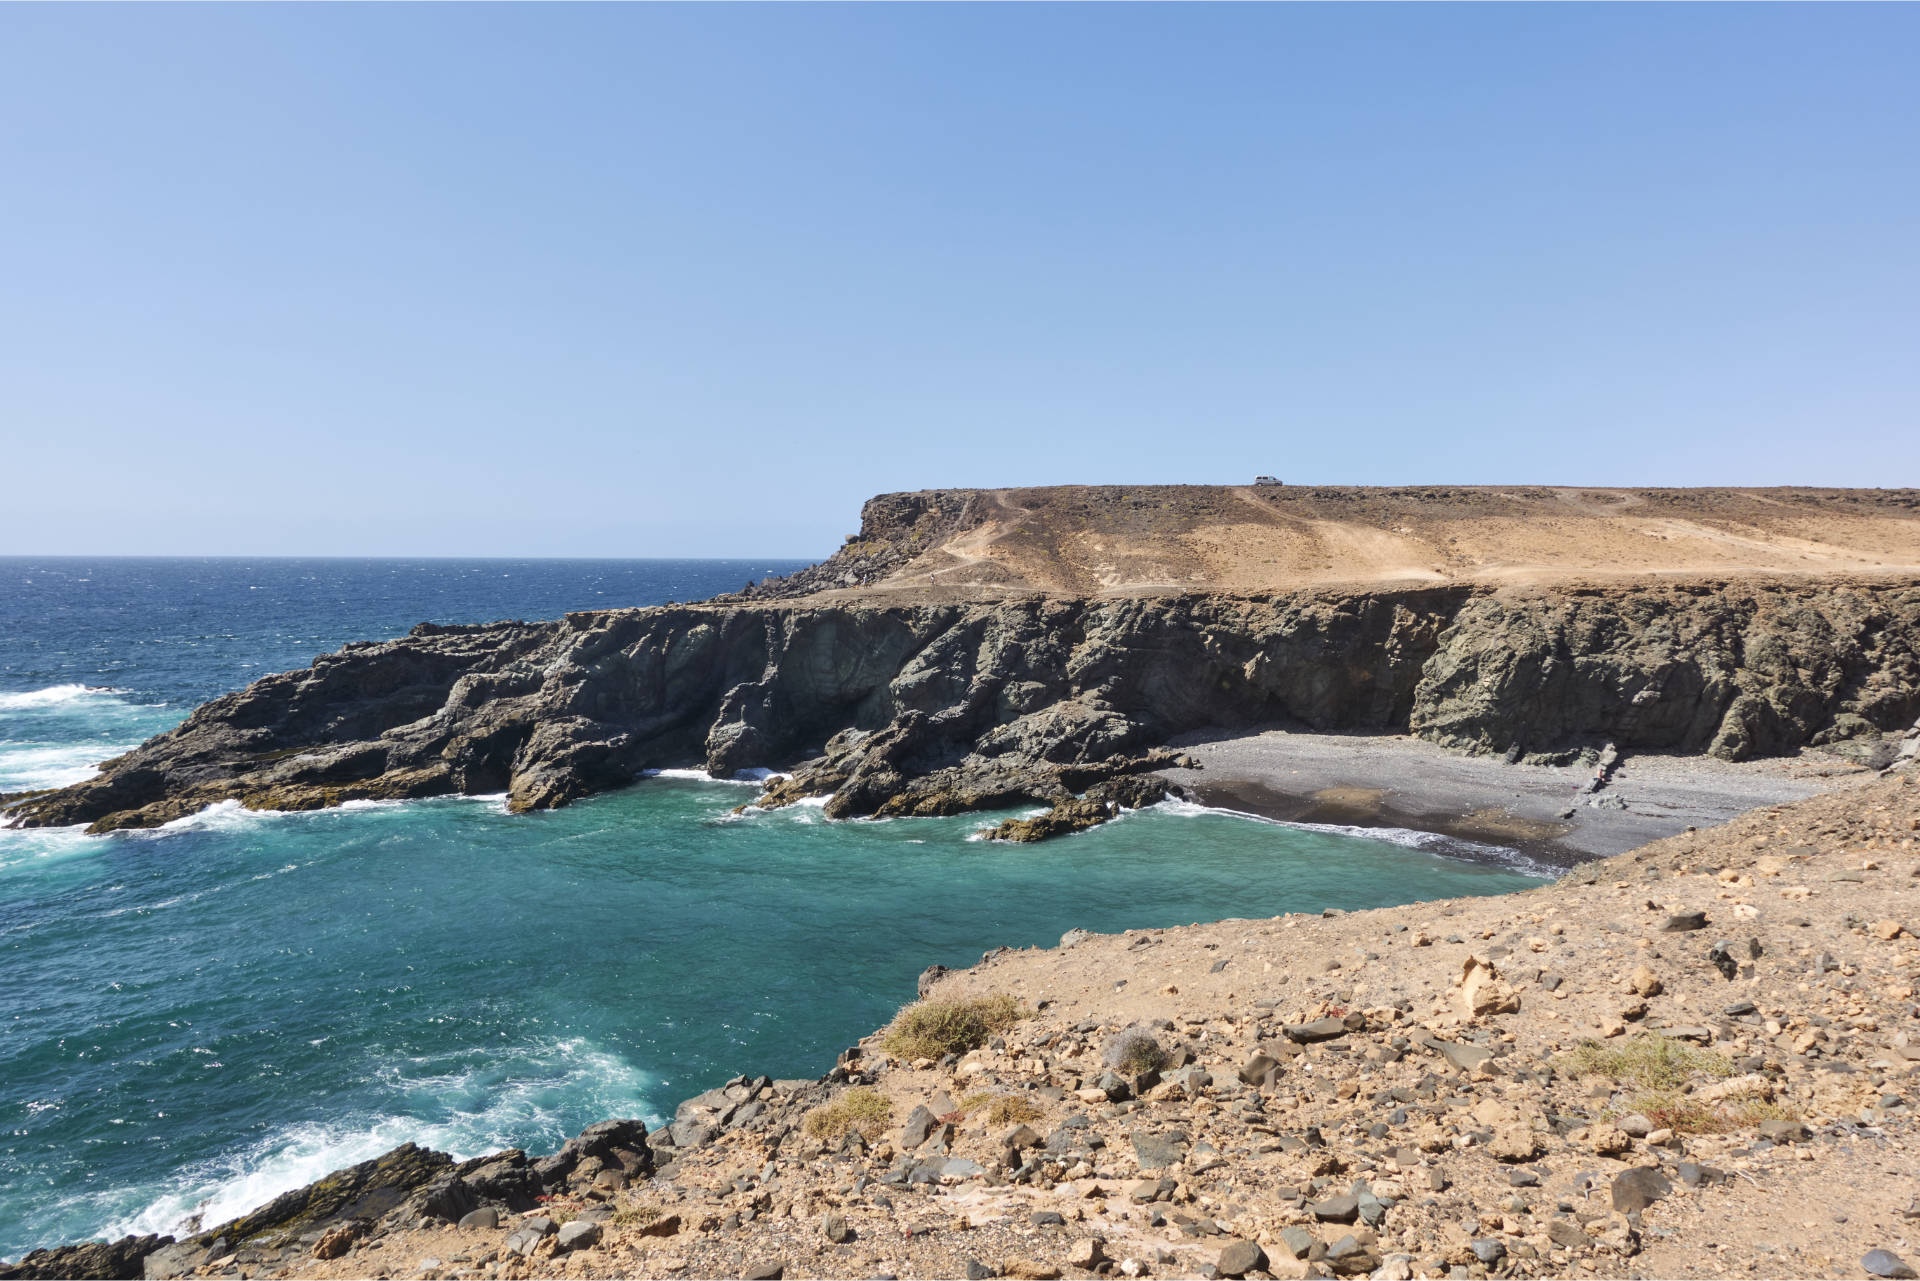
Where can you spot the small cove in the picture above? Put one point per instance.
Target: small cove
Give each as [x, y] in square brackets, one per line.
[196, 1018]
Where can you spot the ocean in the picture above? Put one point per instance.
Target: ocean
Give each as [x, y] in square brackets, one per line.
[198, 1017]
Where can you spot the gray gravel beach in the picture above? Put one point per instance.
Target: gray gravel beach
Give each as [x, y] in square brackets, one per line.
[1388, 780]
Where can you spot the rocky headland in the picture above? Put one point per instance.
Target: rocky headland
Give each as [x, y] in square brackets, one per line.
[1697, 1058]
[1000, 648]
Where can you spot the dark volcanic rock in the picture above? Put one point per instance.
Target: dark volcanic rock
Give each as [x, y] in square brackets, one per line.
[945, 708]
[364, 1191]
[116, 1260]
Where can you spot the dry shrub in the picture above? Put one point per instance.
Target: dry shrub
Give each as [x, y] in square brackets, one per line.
[937, 1027]
[863, 1110]
[1650, 1061]
[1002, 1109]
[1662, 1071]
[1133, 1051]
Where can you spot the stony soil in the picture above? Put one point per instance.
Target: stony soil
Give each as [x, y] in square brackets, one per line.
[1083, 540]
[1395, 1093]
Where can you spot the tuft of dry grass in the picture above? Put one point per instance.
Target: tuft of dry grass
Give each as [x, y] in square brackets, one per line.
[1662, 1071]
[863, 1110]
[1650, 1061]
[1002, 1109]
[937, 1027]
[1685, 1115]
[636, 1215]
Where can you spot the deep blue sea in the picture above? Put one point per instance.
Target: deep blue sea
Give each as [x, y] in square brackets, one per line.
[196, 1018]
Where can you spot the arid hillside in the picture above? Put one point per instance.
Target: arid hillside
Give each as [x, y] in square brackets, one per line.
[1087, 540]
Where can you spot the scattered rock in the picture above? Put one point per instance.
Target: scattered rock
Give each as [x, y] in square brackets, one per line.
[577, 1234]
[1885, 1263]
[1639, 1188]
[1344, 1208]
[1239, 1257]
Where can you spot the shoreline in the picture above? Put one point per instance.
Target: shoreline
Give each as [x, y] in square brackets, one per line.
[1320, 1051]
[1367, 780]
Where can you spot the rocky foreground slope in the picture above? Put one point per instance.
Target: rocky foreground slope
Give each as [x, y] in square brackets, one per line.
[1701, 1058]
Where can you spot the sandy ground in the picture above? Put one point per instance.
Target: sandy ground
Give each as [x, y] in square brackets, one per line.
[1395, 780]
[1092, 540]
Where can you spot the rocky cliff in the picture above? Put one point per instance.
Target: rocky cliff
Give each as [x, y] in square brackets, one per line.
[941, 707]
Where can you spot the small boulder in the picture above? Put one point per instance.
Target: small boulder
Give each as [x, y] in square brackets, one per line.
[1639, 1188]
[1256, 1069]
[1344, 1208]
[920, 1123]
[1237, 1258]
[577, 1234]
[1784, 1131]
[1885, 1263]
[1086, 1253]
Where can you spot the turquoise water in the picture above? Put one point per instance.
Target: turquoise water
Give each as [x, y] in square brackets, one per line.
[195, 1018]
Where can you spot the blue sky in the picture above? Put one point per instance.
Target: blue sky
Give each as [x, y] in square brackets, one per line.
[627, 281]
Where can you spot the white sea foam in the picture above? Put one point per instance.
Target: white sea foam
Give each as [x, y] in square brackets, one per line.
[28, 766]
[482, 1101]
[22, 848]
[53, 696]
[750, 777]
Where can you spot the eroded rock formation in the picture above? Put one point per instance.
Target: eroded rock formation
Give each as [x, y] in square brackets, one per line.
[939, 708]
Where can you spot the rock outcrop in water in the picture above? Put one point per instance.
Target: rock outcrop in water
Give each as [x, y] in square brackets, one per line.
[945, 707]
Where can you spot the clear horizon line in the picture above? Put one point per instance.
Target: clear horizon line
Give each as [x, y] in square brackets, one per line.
[14, 556]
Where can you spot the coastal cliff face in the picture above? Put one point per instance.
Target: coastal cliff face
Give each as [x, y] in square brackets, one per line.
[935, 708]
